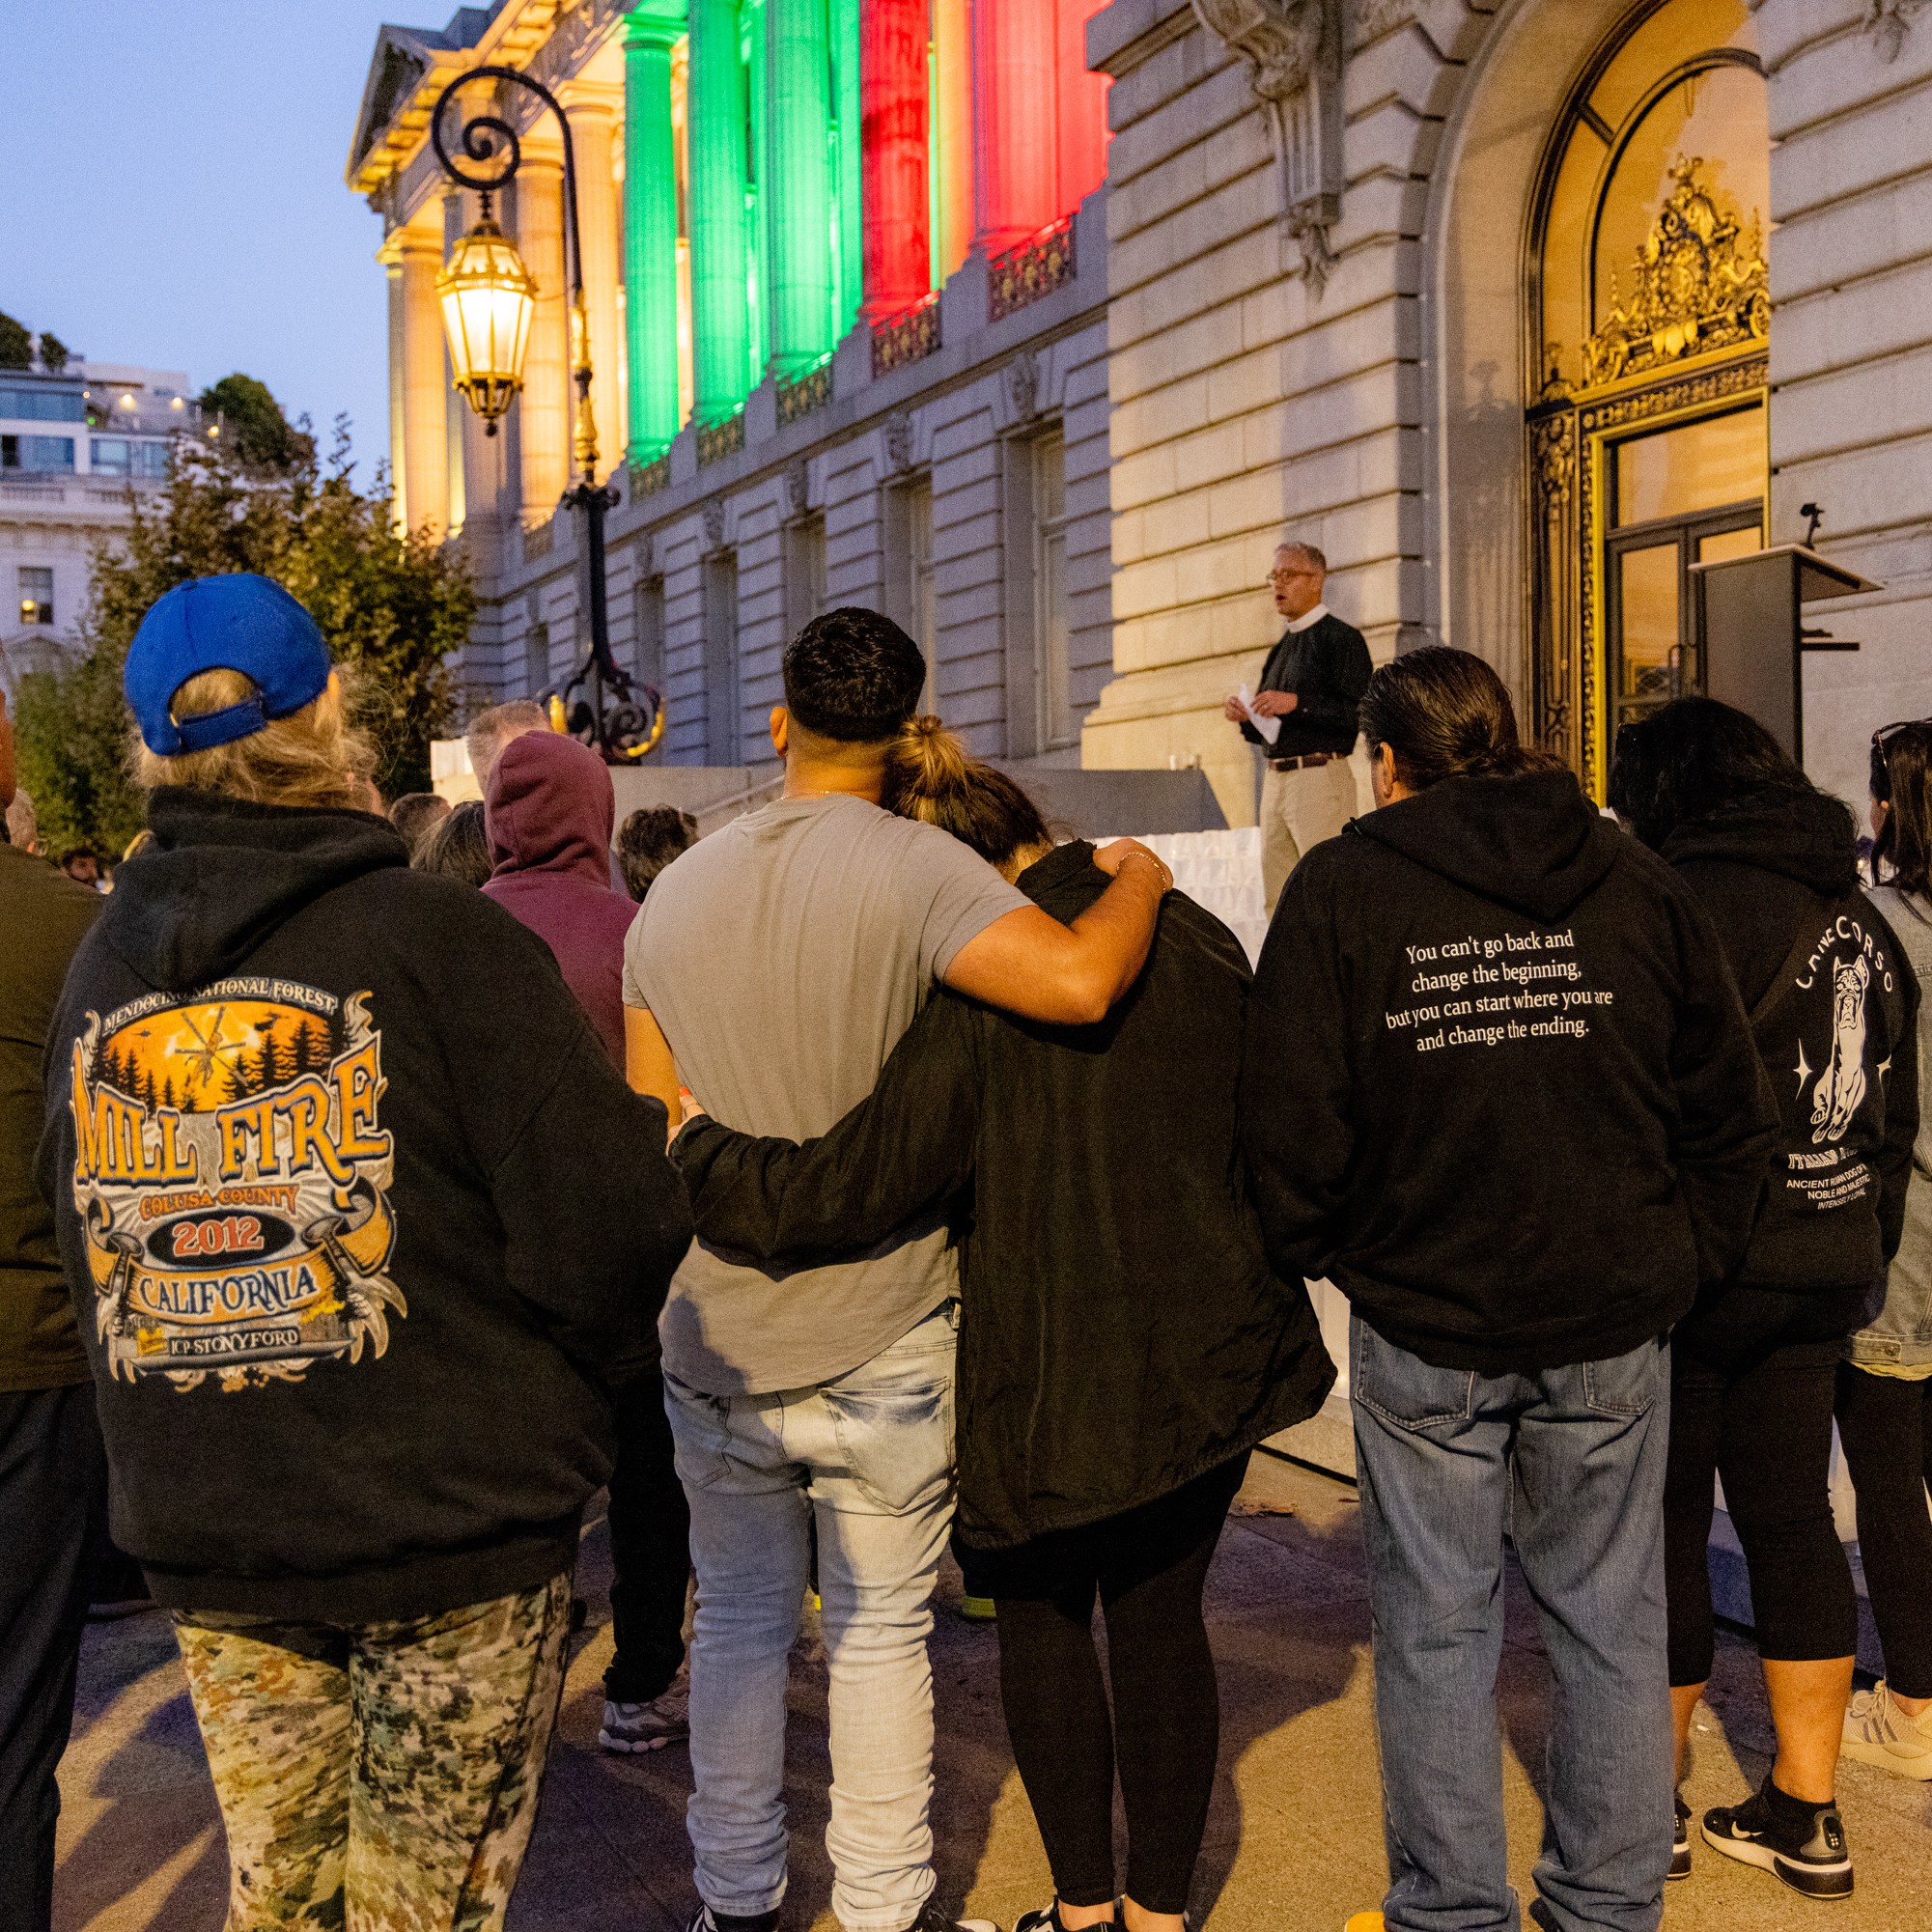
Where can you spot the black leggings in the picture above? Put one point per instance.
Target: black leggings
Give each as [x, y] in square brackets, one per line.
[1885, 1425]
[1761, 1418]
[1148, 1567]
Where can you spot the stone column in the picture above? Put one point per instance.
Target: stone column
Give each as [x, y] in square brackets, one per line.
[798, 191]
[544, 407]
[716, 122]
[949, 128]
[425, 388]
[848, 189]
[391, 257]
[651, 228]
[1013, 118]
[894, 117]
[593, 133]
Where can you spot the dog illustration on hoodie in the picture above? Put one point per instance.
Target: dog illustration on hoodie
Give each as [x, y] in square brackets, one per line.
[1841, 1086]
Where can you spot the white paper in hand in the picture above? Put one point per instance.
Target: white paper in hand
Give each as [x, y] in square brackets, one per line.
[1270, 728]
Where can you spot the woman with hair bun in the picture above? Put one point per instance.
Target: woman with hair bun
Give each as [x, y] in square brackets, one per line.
[1499, 1090]
[1123, 1342]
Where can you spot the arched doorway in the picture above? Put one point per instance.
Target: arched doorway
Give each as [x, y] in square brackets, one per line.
[1647, 305]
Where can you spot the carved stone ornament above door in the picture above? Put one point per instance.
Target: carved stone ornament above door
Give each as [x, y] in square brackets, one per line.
[1294, 52]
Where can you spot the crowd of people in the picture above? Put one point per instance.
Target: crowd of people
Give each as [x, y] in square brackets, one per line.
[882, 1169]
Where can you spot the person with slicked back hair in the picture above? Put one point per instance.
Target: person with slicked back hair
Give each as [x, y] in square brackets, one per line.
[1123, 1342]
[1885, 1383]
[773, 968]
[1498, 1089]
[457, 848]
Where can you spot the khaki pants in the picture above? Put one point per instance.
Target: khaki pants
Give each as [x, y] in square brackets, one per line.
[1299, 809]
[378, 1777]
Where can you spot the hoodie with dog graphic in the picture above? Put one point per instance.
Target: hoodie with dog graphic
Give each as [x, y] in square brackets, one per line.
[360, 1220]
[1834, 1003]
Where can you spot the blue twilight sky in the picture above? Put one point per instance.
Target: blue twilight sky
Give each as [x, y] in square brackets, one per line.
[171, 192]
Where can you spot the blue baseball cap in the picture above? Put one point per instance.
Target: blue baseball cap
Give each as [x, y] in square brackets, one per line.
[239, 622]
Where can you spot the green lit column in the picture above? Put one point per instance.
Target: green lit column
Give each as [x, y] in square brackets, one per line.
[800, 189]
[651, 228]
[851, 166]
[717, 137]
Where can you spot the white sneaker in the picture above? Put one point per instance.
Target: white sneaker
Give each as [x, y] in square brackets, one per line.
[637, 1727]
[1878, 1732]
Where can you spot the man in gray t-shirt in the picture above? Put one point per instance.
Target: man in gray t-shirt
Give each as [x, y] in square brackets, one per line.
[773, 968]
[783, 957]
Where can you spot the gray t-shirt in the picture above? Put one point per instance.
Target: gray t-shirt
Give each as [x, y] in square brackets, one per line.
[783, 957]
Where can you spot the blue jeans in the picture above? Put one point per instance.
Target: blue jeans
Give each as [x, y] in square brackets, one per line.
[868, 1457]
[1568, 1463]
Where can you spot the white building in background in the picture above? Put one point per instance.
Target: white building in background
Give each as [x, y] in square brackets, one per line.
[73, 445]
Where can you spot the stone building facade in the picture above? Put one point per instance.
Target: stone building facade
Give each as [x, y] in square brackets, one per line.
[1518, 310]
[900, 400]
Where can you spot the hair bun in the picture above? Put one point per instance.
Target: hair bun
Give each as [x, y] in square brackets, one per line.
[927, 760]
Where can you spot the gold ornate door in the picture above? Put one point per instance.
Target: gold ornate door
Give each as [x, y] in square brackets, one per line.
[1646, 440]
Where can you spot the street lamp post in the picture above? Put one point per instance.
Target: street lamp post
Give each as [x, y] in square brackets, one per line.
[487, 297]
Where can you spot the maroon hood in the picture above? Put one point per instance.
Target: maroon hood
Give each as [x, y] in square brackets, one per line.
[548, 815]
[549, 808]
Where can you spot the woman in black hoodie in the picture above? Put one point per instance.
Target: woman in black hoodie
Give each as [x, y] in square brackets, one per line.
[315, 1143]
[1834, 1003]
[1499, 1090]
[1123, 1342]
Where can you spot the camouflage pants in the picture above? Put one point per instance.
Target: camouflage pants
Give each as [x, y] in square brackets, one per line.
[381, 1776]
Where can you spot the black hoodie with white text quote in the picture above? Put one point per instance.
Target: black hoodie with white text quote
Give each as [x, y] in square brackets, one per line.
[1497, 1084]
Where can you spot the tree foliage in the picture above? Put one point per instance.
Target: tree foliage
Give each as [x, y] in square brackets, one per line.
[392, 605]
[54, 353]
[258, 432]
[17, 344]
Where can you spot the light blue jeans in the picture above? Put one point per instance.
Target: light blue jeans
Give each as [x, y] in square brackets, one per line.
[1569, 1464]
[868, 1458]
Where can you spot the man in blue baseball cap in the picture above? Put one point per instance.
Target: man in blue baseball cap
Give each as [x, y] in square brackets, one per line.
[316, 1137]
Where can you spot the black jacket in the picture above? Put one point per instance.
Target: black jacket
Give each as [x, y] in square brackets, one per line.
[359, 1221]
[1502, 1091]
[1327, 667]
[1834, 1003]
[1120, 1331]
[44, 917]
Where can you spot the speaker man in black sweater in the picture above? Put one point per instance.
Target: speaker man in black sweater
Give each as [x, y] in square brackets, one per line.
[1312, 683]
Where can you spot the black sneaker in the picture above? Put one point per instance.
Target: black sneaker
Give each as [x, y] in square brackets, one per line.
[1047, 1920]
[1680, 1842]
[705, 1920]
[932, 1920]
[1819, 1865]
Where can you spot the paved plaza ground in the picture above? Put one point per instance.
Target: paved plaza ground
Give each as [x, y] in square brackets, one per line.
[1294, 1842]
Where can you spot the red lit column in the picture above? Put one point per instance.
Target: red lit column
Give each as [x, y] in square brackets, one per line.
[893, 122]
[1015, 165]
[1082, 101]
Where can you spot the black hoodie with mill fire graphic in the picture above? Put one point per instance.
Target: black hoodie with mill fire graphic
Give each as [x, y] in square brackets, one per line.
[359, 1221]
[1497, 1084]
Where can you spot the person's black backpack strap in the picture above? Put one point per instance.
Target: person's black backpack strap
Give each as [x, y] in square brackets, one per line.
[1784, 981]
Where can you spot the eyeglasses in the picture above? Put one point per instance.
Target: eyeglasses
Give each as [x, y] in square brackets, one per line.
[1886, 731]
[1288, 576]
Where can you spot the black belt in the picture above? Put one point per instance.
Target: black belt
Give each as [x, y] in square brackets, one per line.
[1307, 762]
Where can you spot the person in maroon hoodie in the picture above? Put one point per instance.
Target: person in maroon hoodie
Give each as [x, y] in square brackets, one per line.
[548, 813]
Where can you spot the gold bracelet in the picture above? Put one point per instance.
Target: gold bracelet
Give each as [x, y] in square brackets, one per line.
[1166, 871]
